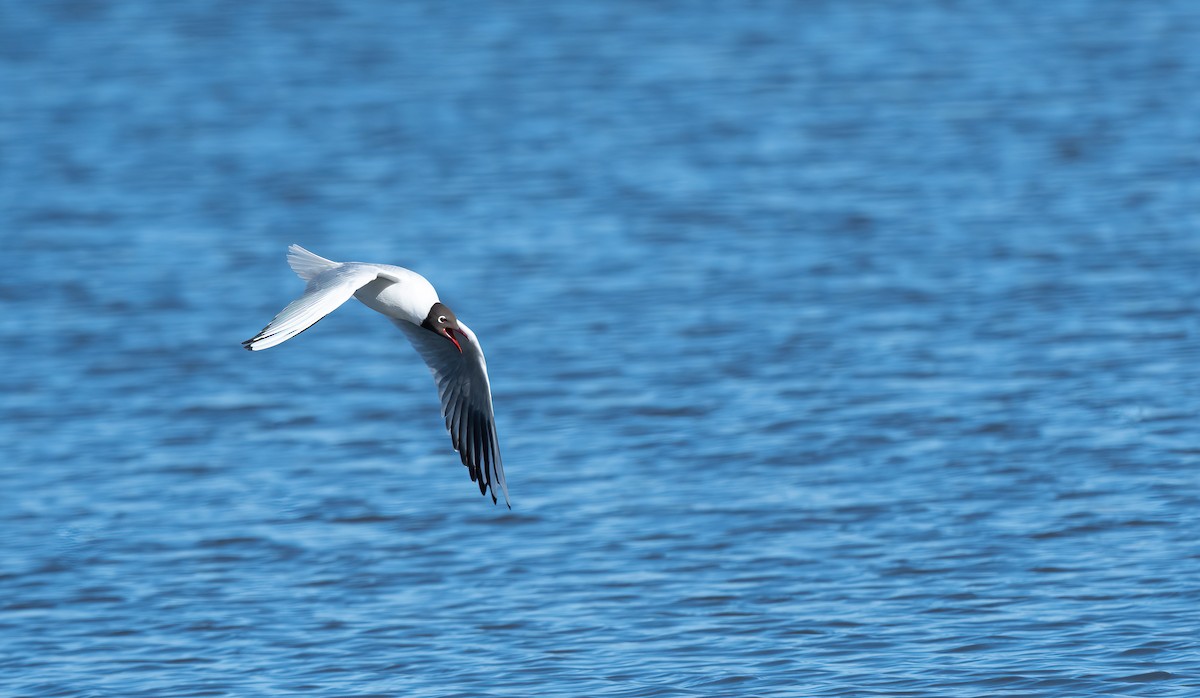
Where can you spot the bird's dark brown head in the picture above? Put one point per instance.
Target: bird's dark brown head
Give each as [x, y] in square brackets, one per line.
[442, 321]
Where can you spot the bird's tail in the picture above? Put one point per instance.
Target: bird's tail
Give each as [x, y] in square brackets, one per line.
[306, 264]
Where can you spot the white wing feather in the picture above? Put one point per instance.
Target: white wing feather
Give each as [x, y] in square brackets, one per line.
[325, 292]
[306, 264]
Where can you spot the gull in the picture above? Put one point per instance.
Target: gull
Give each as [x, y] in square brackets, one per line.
[447, 345]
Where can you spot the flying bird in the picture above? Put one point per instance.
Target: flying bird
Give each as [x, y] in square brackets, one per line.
[447, 345]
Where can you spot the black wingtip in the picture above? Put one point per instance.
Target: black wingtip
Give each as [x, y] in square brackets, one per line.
[497, 502]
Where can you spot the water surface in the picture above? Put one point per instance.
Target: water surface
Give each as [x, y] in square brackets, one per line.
[837, 348]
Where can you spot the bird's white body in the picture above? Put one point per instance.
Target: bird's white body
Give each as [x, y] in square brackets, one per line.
[399, 293]
[458, 367]
[407, 297]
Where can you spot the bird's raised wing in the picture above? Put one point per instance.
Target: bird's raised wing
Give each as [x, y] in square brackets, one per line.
[324, 293]
[466, 395]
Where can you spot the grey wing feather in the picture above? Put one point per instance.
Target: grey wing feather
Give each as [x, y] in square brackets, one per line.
[466, 398]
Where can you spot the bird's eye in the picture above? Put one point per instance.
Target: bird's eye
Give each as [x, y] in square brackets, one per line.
[442, 319]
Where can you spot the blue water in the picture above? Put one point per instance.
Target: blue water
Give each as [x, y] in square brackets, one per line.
[838, 349]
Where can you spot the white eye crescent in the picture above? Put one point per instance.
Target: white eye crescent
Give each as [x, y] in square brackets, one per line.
[442, 319]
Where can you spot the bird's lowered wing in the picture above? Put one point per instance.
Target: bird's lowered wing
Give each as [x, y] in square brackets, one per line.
[466, 395]
[324, 293]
